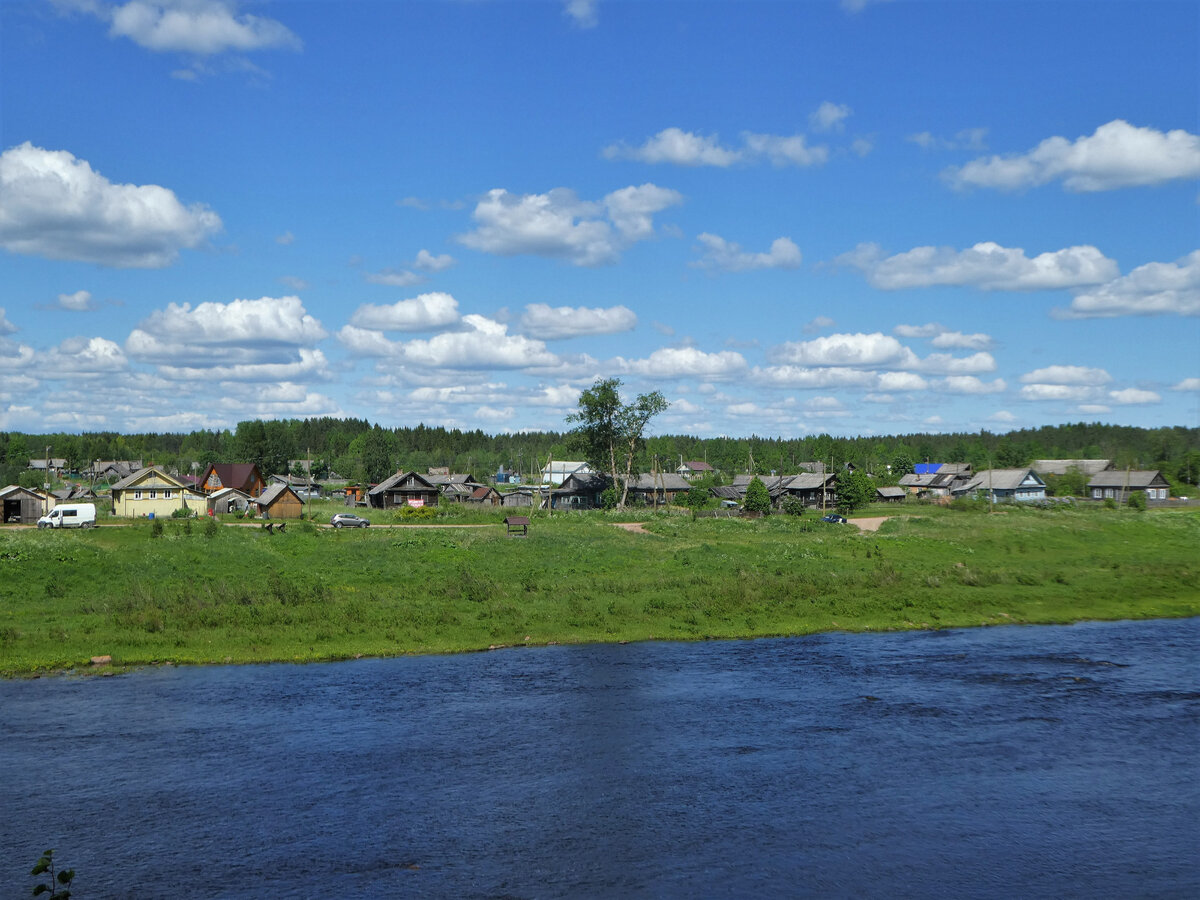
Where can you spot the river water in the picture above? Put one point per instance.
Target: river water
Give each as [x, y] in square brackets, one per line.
[1000, 762]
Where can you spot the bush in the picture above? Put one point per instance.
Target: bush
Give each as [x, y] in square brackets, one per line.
[793, 506]
[608, 498]
[696, 498]
[156, 527]
[182, 513]
[1137, 500]
[211, 527]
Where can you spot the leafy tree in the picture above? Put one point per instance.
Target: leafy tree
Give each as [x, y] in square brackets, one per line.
[902, 465]
[610, 431]
[1137, 500]
[854, 490]
[697, 497]
[792, 506]
[758, 498]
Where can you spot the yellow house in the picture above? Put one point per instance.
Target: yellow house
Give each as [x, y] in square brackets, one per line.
[151, 490]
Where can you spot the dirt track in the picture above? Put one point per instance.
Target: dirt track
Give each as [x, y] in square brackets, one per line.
[871, 524]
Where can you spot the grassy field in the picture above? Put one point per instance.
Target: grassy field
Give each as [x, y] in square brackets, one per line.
[242, 595]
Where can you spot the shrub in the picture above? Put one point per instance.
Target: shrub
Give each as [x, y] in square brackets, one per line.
[211, 527]
[156, 527]
[1137, 500]
[182, 513]
[608, 498]
[793, 506]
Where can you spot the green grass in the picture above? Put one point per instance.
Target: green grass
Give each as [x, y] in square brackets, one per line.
[315, 594]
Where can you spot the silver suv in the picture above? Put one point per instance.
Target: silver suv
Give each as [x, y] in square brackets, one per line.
[348, 520]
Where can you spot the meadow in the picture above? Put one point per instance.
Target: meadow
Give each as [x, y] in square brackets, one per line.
[189, 593]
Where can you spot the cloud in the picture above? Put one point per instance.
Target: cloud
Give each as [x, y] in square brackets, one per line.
[6, 327]
[859, 350]
[820, 323]
[1150, 290]
[1116, 155]
[986, 266]
[675, 146]
[930, 330]
[1188, 384]
[304, 364]
[80, 301]
[1067, 375]
[424, 312]
[1002, 415]
[1134, 396]
[560, 225]
[427, 262]
[198, 27]
[84, 357]
[967, 139]
[1059, 392]
[395, 278]
[956, 340]
[554, 323]
[785, 151]
[723, 255]
[483, 344]
[270, 331]
[582, 13]
[829, 117]
[294, 282]
[681, 362]
[56, 206]
[970, 384]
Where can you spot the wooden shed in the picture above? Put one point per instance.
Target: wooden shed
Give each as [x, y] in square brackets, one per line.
[21, 505]
[279, 501]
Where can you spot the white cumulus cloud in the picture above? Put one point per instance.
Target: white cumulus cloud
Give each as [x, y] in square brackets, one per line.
[6, 327]
[862, 350]
[556, 322]
[677, 147]
[1116, 155]
[484, 343]
[79, 301]
[582, 13]
[1153, 289]
[56, 206]
[829, 117]
[987, 266]
[1134, 396]
[558, 224]
[680, 362]
[424, 312]
[723, 255]
[1066, 375]
[198, 27]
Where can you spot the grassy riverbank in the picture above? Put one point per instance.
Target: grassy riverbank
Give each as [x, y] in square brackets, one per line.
[242, 595]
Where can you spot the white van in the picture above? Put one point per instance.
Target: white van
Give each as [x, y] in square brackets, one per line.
[70, 515]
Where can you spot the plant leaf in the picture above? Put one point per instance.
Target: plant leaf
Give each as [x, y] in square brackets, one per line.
[65, 876]
[40, 889]
[42, 865]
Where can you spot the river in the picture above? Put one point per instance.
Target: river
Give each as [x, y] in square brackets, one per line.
[1043, 761]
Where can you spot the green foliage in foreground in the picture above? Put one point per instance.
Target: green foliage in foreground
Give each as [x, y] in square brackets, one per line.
[243, 595]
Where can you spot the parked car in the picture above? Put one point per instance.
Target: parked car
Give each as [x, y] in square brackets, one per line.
[348, 520]
[834, 519]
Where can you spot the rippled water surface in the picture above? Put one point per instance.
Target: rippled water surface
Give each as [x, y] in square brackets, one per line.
[1038, 761]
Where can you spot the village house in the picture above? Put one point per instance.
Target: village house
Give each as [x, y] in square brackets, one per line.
[485, 496]
[1115, 484]
[694, 470]
[243, 476]
[556, 471]
[403, 489]
[817, 490]
[999, 485]
[152, 492]
[111, 469]
[651, 489]
[54, 466]
[890, 494]
[581, 490]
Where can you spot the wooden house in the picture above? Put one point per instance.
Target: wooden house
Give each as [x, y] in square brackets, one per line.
[1118, 484]
[890, 494]
[279, 501]
[485, 496]
[694, 469]
[243, 476]
[403, 489]
[151, 491]
[999, 485]
[580, 490]
[658, 488]
[20, 505]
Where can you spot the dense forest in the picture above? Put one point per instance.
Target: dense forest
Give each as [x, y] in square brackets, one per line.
[357, 450]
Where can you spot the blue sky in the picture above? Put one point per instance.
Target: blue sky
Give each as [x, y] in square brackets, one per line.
[789, 217]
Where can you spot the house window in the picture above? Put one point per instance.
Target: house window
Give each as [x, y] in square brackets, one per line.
[137, 495]
[154, 495]
[166, 495]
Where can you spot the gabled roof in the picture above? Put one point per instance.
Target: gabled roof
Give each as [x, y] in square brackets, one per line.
[890, 491]
[482, 493]
[663, 481]
[273, 493]
[225, 492]
[15, 490]
[727, 492]
[1002, 480]
[238, 475]
[392, 481]
[1132, 478]
[142, 474]
[697, 466]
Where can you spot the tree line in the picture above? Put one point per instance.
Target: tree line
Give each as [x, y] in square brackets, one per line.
[358, 450]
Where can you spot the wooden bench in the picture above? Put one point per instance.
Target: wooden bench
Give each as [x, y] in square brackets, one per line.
[517, 525]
